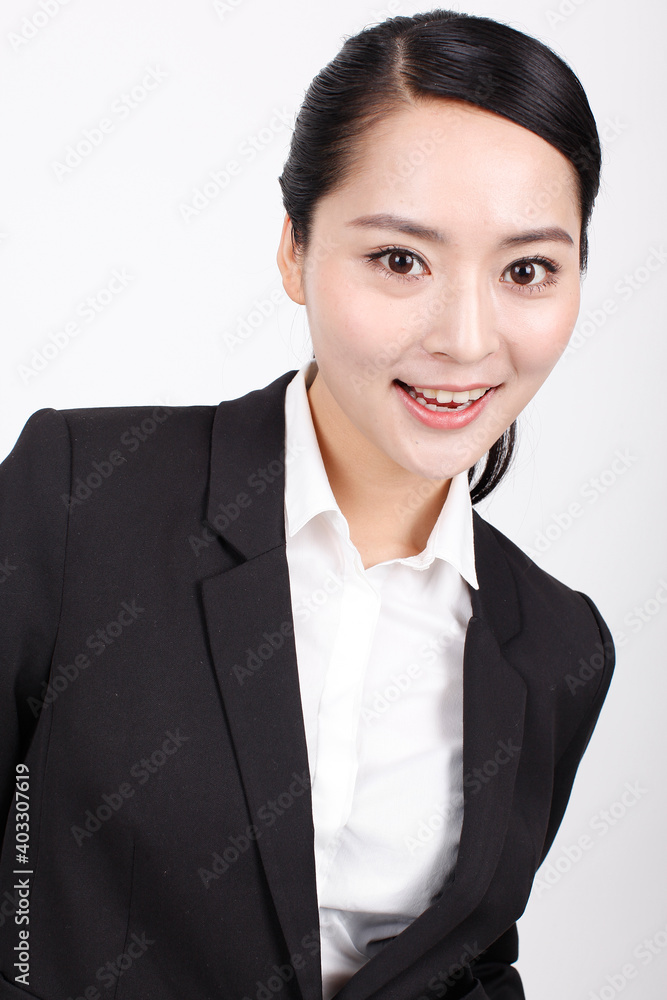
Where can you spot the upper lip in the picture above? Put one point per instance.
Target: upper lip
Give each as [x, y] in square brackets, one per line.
[449, 388]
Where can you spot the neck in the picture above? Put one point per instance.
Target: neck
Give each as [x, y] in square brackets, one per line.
[388, 508]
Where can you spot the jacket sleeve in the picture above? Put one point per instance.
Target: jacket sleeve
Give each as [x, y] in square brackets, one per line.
[34, 494]
[494, 967]
[569, 760]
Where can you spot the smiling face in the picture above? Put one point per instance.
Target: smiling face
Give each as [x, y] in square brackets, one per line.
[448, 262]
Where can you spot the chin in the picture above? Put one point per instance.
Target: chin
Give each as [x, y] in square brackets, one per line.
[436, 470]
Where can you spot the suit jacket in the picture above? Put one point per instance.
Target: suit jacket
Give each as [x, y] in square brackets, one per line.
[150, 691]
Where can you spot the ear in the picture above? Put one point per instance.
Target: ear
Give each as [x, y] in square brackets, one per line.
[290, 267]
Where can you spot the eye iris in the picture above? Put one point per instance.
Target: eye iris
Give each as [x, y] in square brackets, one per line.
[401, 262]
[523, 274]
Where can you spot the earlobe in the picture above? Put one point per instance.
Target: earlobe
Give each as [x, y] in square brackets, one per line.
[290, 267]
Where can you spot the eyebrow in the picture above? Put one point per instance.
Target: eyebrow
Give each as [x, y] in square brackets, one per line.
[384, 220]
[552, 234]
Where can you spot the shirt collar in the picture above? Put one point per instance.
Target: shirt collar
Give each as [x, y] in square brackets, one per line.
[308, 493]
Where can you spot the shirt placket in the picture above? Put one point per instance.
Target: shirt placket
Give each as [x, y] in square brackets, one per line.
[339, 713]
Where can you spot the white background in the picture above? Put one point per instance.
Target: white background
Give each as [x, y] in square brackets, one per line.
[166, 338]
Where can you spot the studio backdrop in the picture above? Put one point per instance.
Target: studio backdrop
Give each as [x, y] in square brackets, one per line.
[140, 217]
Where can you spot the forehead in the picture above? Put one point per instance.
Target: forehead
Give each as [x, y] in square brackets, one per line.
[450, 158]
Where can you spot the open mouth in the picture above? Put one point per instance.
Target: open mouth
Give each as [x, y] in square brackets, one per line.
[443, 399]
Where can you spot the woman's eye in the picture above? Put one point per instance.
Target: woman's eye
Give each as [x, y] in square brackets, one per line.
[527, 273]
[398, 263]
[404, 265]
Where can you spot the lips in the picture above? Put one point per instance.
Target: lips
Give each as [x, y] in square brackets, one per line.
[441, 399]
[442, 416]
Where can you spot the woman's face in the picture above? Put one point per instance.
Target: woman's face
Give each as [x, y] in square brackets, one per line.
[447, 263]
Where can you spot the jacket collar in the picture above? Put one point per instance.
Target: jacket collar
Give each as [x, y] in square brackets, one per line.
[249, 620]
[248, 465]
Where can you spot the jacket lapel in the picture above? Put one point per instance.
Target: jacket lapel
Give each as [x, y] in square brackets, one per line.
[494, 697]
[249, 620]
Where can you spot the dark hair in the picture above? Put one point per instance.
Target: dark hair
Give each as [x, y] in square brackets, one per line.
[441, 53]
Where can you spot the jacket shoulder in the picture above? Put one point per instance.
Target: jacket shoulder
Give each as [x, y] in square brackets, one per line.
[104, 420]
[95, 424]
[536, 587]
[561, 637]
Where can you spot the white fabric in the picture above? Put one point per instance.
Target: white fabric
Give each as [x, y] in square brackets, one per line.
[380, 660]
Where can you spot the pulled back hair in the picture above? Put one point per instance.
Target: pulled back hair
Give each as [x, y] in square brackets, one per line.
[441, 53]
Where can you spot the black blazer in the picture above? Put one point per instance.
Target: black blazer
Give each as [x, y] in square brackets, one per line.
[149, 681]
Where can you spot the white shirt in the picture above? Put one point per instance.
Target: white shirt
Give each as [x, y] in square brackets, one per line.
[380, 661]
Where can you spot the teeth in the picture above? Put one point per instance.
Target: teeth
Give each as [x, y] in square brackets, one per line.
[443, 396]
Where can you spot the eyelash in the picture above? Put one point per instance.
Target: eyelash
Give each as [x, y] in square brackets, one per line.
[551, 267]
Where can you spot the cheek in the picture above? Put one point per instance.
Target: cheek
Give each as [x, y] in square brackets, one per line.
[350, 328]
[537, 341]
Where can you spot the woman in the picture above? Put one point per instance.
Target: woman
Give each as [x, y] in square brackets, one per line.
[284, 715]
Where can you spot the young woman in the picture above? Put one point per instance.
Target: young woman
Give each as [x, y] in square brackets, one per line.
[282, 714]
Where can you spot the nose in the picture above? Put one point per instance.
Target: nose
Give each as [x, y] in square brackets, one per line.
[460, 322]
